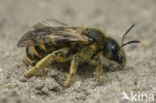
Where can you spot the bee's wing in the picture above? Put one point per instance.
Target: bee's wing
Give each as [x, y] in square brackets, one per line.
[52, 36]
[49, 23]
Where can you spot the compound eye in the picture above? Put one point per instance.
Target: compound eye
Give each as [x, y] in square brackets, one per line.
[110, 46]
[113, 47]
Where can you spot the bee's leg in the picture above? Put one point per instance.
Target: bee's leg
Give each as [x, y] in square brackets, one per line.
[47, 60]
[110, 62]
[73, 69]
[99, 71]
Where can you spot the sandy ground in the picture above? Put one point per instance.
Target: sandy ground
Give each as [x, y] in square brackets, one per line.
[114, 16]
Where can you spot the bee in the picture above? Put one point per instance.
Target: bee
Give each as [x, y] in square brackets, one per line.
[53, 41]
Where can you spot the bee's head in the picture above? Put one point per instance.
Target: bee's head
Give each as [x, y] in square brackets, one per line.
[114, 51]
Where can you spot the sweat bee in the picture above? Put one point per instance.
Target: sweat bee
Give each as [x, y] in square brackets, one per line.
[53, 41]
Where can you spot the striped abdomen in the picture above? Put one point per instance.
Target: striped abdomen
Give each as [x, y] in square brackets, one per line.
[36, 52]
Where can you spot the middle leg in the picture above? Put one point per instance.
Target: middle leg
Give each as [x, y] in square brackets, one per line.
[73, 69]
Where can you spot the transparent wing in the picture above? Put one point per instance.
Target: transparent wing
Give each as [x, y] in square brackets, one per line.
[49, 23]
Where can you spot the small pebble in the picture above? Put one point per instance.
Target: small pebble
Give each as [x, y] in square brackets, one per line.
[81, 97]
[32, 79]
[14, 93]
[23, 79]
[53, 85]
[45, 91]
[39, 86]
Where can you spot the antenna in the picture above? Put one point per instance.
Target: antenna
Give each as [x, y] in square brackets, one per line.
[133, 41]
[126, 33]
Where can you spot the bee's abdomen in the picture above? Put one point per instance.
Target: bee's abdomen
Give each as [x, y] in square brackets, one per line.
[30, 57]
[34, 53]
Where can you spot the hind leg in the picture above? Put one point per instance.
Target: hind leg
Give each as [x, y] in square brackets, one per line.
[44, 62]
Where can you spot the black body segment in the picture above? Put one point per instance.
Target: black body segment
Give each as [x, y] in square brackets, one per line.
[94, 34]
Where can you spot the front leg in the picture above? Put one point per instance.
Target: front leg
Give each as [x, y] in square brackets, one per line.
[104, 61]
[99, 71]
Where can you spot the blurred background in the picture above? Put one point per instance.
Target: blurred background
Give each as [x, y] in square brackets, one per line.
[113, 16]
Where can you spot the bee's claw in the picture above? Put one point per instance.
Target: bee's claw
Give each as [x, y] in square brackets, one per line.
[98, 79]
[99, 82]
[66, 84]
